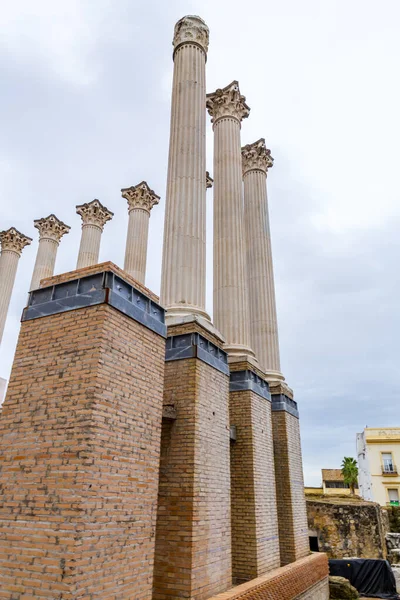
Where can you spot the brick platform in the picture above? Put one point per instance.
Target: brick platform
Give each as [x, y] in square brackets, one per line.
[79, 444]
[292, 512]
[306, 579]
[255, 541]
[193, 537]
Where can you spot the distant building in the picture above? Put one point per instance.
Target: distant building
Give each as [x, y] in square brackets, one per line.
[378, 452]
[333, 483]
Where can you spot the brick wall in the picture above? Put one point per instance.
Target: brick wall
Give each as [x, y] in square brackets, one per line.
[292, 514]
[305, 579]
[79, 454]
[193, 538]
[255, 542]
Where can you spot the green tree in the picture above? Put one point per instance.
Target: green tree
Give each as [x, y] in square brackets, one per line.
[350, 472]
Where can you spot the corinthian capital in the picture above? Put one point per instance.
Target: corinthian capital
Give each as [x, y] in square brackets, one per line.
[256, 156]
[191, 30]
[140, 196]
[51, 228]
[94, 213]
[227, 102]
[13, 240]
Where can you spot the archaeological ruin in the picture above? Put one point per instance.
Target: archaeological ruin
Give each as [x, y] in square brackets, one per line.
[148, 451]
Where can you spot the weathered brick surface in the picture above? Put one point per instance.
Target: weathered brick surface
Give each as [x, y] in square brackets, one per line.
[255, 541]
[79, 454]
[305, 579]
[193, 537]
[106, 266]
[292, 513]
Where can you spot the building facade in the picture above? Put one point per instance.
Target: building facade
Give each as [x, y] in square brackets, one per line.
[378, 452]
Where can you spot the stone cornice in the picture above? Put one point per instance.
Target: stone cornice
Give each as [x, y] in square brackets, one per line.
[94, 213]
[140, 196]
[256, 156]
[209, 181]
[13, 240]
[227, 102]
[51, 228]
[191, 30]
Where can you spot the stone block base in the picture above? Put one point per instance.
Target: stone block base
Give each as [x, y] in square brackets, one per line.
[305, 579]
[255, 541]
[79, 443]
[292, 512]
[193, 537]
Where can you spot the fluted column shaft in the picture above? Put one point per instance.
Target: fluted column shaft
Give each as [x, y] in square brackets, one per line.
[45, 261]
[183, 280]
[260, 274]
[89, 248]
[136, 244]
[231, 315]
[8, 270]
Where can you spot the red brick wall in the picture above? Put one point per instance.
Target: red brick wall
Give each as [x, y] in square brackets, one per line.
[255, 542]
[291, 503]
[286, 583]
[79, 455]
[193, 542]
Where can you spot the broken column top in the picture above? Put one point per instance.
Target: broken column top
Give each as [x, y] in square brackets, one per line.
[191, 30]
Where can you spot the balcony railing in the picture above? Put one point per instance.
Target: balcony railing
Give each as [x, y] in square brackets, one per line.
[389, 469]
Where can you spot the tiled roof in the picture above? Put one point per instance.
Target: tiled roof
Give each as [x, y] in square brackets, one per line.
[332, 475]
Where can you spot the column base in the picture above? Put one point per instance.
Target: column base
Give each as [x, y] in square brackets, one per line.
[235, 351]
[185, 310]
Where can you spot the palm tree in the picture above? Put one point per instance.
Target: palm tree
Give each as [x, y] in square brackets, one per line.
[350, 472]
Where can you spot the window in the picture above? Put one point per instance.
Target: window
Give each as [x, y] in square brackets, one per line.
[388, 466]
[393, 496]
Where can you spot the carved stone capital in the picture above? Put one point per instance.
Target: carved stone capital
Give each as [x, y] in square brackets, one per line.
[256, 156]
[51, 228]
[227, 102]
[13, 240]
[140, 196]
[191, 30]
[94, 213]
[209, 181]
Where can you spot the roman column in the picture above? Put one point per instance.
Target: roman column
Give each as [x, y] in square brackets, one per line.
[51, 231]
[94, 217]
[12, 244]
[141, 200]
[256, 160]
[227, 108]
[183, 279]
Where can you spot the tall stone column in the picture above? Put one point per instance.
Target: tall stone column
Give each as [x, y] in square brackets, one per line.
[94, 217]
[12, 244]
[51, 231]
[183, 279]
[256, 159]
[141, 200]
[227, 108]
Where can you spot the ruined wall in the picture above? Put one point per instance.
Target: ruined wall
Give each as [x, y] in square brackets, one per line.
[348, 529]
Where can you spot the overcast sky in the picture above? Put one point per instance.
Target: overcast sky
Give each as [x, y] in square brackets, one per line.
[84, 111]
